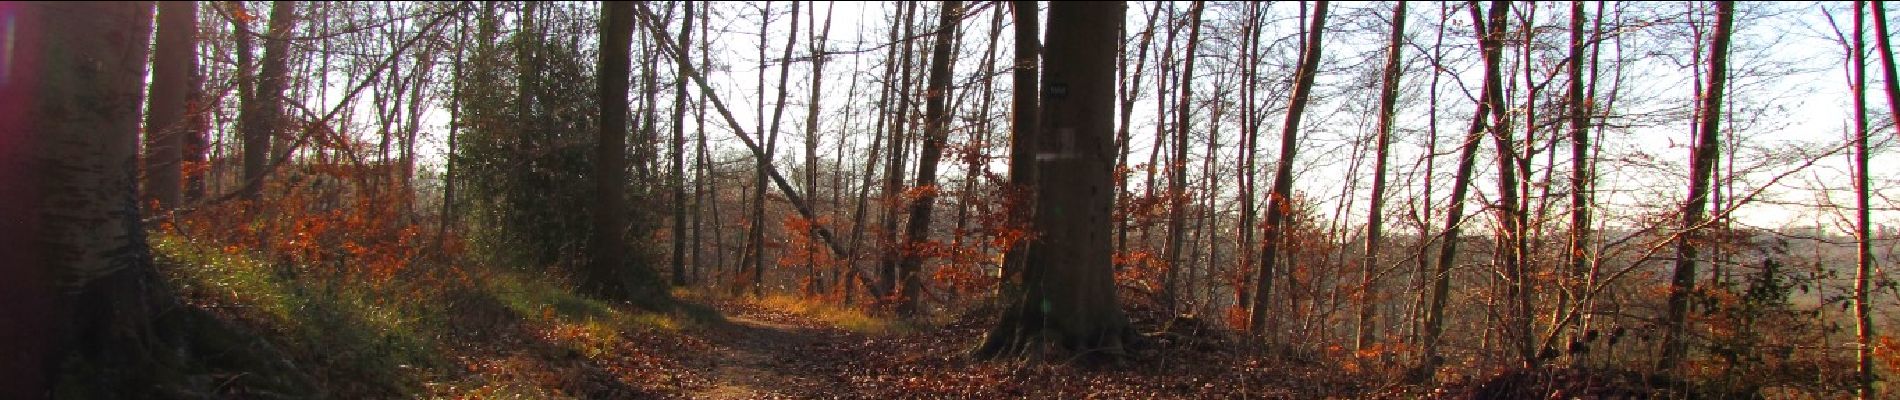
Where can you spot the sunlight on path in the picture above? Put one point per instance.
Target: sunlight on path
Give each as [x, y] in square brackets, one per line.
[750, 359]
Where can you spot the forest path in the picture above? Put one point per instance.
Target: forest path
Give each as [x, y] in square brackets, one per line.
[761, 354]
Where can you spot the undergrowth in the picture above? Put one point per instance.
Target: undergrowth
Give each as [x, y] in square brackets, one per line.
[443, 331]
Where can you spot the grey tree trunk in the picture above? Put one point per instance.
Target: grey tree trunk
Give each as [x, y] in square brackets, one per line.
[1863, 272]
[887, 277]
[1177, 170]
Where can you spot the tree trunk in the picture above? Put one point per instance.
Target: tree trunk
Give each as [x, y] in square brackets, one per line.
[1863, 272]
[1177, 170]
[1068, 301]
[791, 194]
[771, 145]
[1131, 88]
[1250, 123]
[894, 164]
[80, 294]
[1022, 141]
[917, 233]
[1577, 256]
[264, 106]
[604, 276]
[1510, 234]
[817, 46]
[679, 157]
[1702, 159]
[165, 117]
[1388, 107]
[1454, 215]
[1883, 44]
[1279, 197]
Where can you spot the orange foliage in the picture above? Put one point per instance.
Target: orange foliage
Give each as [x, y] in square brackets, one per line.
[335, 220]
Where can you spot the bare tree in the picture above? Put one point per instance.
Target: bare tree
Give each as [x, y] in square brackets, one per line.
[1454, 215]
[1279, 198]
[938, 120]
[1695, 206]
[1388, 107]
[1177, 169]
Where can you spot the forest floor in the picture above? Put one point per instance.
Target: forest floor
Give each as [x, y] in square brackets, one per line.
[478, 333]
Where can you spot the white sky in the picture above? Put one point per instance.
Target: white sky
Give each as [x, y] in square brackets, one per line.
[1788, 91]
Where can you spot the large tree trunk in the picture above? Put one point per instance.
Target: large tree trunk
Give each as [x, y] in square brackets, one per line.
[166, 126]
[80, 294]
[1388, 107]
[1068, 297]
[938, 128]
[1279, 198]
[1694, 207]
[609, 247]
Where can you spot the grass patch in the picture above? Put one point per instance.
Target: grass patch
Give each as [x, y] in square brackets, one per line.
[844, 317]
[458, 333]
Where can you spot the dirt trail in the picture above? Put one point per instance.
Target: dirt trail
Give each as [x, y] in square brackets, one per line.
[760, 356]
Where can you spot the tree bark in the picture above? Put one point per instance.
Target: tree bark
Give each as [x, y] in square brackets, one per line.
[771, 145]
[1131, 88]
[816, 43]
[1068, 301]
[1279, 197]
[609, 246]
[1510, 234]
[1577, 255]
[1694, 207]
[80, 292]
[1883, 43]
[173, 58]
